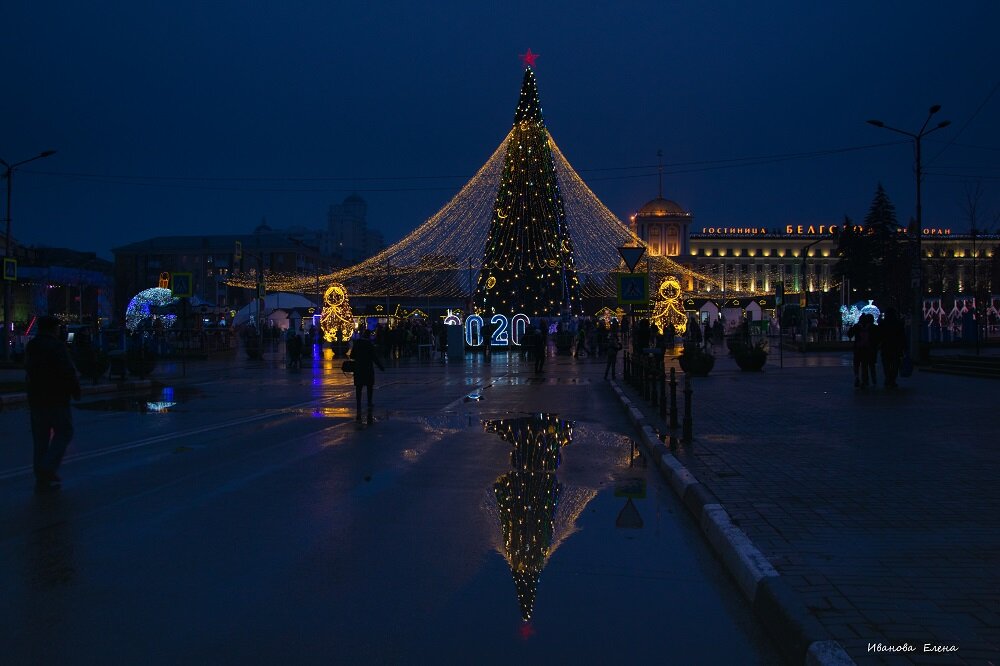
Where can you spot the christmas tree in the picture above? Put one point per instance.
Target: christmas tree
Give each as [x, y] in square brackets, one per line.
[528, 260]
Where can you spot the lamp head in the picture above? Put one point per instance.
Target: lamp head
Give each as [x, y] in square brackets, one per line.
[943, 123]
[876, 123]
[46, 153]
[934, 109]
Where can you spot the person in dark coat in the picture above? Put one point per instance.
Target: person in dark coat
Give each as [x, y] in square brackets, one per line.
[614, 346]
[539, 343]
[365, 360]
[863, 334]
[293, 347]
[51, 382]
[892, 339]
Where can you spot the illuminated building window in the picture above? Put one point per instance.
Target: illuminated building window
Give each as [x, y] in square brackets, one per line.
[654, 240]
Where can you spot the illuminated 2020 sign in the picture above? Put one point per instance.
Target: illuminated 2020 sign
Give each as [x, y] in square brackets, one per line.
[504, 331]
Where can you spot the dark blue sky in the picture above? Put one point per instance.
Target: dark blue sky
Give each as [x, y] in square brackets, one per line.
[194, 93]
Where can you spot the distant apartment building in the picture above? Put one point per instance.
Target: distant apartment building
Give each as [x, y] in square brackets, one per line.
[348, 235]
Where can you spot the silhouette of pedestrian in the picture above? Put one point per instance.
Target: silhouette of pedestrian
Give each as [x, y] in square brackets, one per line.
[893, 338]
[863, 335]
[51, 382]
[614, 346]
[293, 346]
[365, 360]
[538, 350]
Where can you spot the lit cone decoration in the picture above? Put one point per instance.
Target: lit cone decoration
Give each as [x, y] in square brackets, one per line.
[527, 497]
[336, 317]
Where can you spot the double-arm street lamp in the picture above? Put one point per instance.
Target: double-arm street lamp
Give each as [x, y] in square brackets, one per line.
[917, 274]
[8, 173]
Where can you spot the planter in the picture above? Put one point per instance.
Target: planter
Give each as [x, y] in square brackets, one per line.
[696, 363]
[140, 362]
[750, 361]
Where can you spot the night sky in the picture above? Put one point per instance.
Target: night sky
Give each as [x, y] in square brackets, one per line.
[203, 117]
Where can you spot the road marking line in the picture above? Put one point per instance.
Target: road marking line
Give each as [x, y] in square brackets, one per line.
[20, 471]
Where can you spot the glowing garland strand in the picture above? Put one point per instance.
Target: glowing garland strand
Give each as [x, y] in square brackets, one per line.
[436, 258]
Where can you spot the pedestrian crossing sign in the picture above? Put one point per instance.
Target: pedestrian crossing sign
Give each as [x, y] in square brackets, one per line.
[633, 288]
[182, 285]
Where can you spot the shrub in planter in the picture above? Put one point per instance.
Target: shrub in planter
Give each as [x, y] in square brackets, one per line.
[91, 364]
[140, 361]
[696, 361]
[750, 357]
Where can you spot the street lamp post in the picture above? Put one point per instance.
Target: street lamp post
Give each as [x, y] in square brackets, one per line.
[804, 296]
[9, 175]
[917, 275]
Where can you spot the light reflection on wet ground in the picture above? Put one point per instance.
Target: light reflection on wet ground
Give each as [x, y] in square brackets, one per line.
[157, 401]
[535, 511]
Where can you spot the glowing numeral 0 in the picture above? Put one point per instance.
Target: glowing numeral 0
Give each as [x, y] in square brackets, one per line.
[473, 322]
[518, 327]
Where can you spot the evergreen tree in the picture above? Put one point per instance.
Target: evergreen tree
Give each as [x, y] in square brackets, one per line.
[876, 257]
[528, 259]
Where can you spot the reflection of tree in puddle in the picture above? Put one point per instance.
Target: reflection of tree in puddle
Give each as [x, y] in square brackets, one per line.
[534, 510]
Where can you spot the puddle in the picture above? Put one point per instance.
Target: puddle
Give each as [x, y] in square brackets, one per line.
[512, 380]
[527, 497]
[157, 401]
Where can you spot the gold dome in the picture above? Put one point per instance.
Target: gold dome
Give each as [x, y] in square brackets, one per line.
[661, 207]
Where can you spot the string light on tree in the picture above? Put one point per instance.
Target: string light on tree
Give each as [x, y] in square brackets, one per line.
[528, 264]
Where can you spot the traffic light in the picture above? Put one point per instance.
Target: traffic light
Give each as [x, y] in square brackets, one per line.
[238, 252]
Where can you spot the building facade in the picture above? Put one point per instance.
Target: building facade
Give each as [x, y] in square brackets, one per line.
[752, 261]
[74, 286]
[348, 234]
[211, 260]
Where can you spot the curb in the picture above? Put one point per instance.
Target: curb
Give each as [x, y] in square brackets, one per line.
[798, 635]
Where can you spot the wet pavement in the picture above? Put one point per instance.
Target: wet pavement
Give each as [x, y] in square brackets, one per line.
[880, 508]
[241, 516]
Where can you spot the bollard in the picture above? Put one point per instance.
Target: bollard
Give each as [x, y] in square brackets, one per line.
[688, 425]
[663, 393]
[652, 383]
[673, 398]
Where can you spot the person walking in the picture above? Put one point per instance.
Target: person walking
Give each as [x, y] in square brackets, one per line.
[864, 349]
[614, 346]
[893, 343]
[51, 382]
[538, 349]
[293, 347]
[365, 360]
